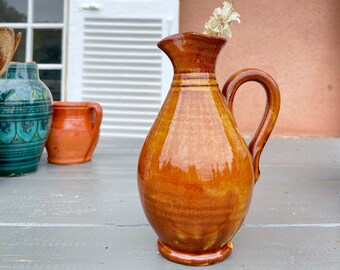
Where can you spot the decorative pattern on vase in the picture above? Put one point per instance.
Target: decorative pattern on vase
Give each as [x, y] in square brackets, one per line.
[25, 119]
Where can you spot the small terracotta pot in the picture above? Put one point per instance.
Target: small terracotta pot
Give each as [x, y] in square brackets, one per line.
[74, 133]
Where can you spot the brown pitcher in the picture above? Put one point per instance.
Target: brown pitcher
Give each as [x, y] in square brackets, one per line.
[195, 172]
[74, 132]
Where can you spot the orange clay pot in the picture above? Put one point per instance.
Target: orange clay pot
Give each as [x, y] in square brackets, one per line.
[195, 172]
[74, 132]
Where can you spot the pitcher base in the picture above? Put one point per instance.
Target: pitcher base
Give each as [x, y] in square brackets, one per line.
[194, 259]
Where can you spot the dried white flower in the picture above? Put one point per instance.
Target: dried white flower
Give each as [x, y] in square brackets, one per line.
[219, 23]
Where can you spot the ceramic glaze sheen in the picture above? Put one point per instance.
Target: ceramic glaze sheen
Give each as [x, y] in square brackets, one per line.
[195, 172]
[25, 119]
[74, 133]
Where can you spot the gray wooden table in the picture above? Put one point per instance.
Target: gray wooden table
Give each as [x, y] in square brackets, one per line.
[88, 216]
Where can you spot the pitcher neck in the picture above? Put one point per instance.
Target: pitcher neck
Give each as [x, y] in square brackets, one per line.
[192, 52]
[197, 80]
[23, 71]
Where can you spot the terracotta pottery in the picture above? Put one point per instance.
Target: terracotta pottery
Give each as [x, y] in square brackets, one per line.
[195, 172]
[74, 133]
[25, 119]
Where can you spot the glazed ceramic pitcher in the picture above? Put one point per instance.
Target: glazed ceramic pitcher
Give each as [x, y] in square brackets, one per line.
[195, 172]
[74, 133]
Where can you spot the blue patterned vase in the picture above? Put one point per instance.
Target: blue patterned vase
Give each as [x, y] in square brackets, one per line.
[25, 119]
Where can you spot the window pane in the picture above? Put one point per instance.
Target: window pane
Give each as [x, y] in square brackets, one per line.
[47, 46]
[52, 79]
[13, 10]
[21, 52]
[48, 11]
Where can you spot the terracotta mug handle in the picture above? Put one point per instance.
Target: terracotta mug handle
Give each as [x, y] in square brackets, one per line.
[97, 111]
[271, 112]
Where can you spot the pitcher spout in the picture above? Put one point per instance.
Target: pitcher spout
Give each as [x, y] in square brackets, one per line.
[192, 52]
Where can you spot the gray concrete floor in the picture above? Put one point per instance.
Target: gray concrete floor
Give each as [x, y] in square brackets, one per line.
[88, 216]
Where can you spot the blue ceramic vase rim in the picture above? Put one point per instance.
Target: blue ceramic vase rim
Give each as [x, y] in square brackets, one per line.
[22, 70]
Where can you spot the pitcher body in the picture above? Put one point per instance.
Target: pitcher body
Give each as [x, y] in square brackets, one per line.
[74, 133]
[195, 172]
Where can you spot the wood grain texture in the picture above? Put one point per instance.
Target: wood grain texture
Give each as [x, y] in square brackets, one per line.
[88, 216]
[134, 248]
[7, 47]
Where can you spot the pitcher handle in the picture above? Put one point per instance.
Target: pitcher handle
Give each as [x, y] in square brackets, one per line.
[271, 112]
[96, 111]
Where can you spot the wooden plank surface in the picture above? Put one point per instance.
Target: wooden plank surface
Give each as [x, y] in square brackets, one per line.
[131, 247]
[88, 216]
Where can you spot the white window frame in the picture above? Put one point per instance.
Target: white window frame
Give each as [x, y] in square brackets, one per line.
[75, 30]
[127, 114]
[30, 26]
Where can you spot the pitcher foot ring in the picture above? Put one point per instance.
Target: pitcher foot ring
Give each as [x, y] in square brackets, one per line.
[194, 259]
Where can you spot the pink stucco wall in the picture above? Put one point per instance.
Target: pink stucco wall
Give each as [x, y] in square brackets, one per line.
[298, 43]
